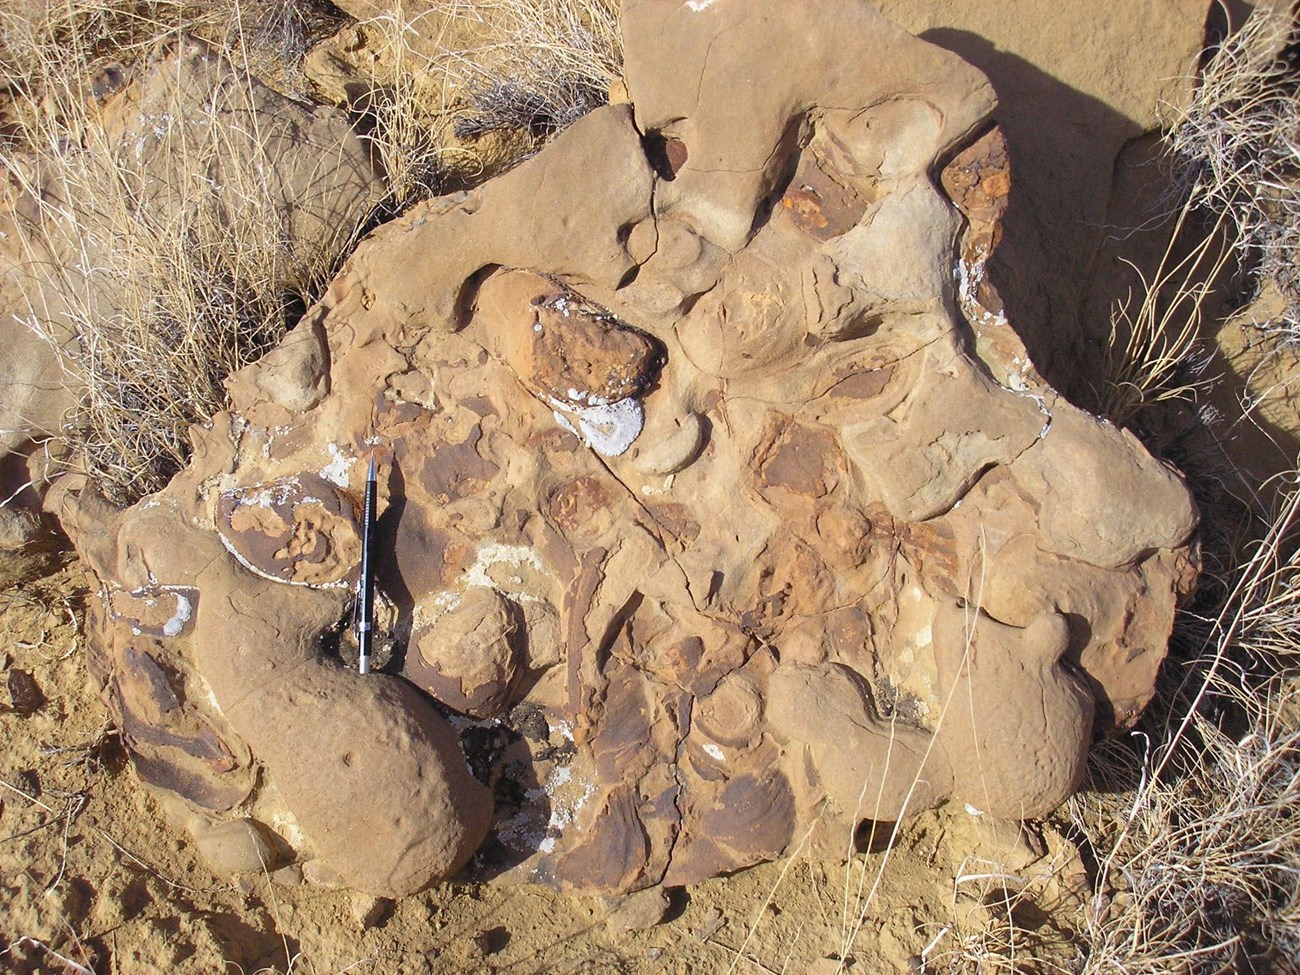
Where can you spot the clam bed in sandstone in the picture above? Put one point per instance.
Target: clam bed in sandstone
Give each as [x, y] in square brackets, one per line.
[846, 485]
[712, 480]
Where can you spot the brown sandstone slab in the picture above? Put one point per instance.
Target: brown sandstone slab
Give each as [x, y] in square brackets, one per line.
[822, 554]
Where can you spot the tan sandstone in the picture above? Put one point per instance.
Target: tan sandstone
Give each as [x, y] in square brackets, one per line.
[701, 472]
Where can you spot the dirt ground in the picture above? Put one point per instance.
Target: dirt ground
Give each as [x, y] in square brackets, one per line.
[93, 879]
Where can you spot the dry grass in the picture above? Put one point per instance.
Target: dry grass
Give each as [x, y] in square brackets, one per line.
[153, 279]
[1236, 148]
[1155, 353]
[545, 65]
[91, 36]
[449, 73]
[88, 35]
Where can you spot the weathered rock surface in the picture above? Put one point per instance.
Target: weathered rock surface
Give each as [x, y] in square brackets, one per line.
[709, 496]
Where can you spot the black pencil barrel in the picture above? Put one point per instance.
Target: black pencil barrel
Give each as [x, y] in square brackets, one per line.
[366, 617]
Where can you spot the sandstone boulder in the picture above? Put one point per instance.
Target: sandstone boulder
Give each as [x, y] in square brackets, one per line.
[714, 510]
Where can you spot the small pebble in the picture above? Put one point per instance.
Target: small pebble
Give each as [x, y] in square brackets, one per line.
[711, 924]
[29, 782]
[638, 911]
[25, 694]
[318, 873]
[234, 847]
[288, 876]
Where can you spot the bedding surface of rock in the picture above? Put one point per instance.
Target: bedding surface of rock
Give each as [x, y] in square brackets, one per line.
[720, 507]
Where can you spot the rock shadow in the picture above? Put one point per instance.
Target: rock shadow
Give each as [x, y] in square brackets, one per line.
[1063, 146]
[389, 580]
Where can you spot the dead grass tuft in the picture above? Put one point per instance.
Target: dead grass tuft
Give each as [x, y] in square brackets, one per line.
[548, 65]
[1236, 149]
[1155, 353]
[447, 74]
[156, 260]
